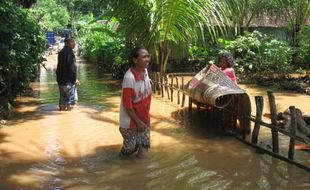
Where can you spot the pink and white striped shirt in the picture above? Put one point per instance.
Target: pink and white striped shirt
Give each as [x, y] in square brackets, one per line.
[136, 95]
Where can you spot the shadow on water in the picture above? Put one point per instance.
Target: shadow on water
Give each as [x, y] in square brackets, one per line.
[4, 153]
[239, 166]
[166, 168]
[60, 172]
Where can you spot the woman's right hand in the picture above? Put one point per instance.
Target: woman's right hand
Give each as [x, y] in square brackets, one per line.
[141, 126]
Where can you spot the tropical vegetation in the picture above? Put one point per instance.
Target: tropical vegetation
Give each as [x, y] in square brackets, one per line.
[22, 44]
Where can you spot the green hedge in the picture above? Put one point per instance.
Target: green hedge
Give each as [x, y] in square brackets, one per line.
[105, 48]
[22, 45]
[259, 55]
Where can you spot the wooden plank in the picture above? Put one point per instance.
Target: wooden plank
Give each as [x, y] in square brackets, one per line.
[274, 131]
[259, 112]
[291, 150]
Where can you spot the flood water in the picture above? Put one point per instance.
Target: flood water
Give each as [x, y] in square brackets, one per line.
[42, 148]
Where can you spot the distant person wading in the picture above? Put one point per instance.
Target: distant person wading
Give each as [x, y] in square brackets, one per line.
[66, 76]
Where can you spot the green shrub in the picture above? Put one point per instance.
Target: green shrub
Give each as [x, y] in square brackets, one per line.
[22, 45]
[303, 51]
[119, 67]
[196, 52]
[207, 53]
[102, 46]
[258, 54]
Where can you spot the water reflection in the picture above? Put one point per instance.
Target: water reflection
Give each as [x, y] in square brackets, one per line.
[93, 90]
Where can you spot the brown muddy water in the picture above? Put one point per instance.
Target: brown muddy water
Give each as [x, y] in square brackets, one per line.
[42, 148]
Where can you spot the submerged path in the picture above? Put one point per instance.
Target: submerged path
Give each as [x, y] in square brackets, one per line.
[43, 148]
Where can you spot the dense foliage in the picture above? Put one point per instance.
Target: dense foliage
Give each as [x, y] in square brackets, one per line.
[258, 54]
[303, 51]
[25, 3]
[102, 44]
[22, 44]
[50, 15]
[162, 25]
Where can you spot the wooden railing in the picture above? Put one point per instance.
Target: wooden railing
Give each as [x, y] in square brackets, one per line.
[169, 84]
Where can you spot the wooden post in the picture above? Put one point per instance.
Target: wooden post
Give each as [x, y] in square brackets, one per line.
[190, 106]
[154, 88]
[274, 131]
[162, 86]
[291, 150]
[198, 106]
[259, 111]
[183, 96]
[158, 83]
[167, 86]
[178, 87]
[171, 88]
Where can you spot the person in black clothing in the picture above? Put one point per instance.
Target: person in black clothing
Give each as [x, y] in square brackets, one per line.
[66, 76]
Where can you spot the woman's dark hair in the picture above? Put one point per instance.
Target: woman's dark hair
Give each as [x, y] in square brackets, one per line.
[135, 53]
[228, 57]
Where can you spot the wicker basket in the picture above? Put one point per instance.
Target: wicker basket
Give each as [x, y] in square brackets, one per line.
[211, 86]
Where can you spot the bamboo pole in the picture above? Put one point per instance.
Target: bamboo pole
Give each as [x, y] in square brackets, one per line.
[190, 106]
[198, 105]
[274, 132]
[167, 86]
[291, 150]
[162, 86]
[154, 88]
[259, 111]
[158, 80]
[171, 87]
[183, 94]
[178, 91]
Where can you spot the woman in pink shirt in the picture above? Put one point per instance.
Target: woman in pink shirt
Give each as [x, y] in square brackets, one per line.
[226, 62]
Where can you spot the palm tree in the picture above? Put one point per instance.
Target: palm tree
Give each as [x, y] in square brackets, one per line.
[161, 24]
[297, 13]
[242, 12]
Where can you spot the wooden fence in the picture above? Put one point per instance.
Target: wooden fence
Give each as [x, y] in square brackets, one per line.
[174, 83]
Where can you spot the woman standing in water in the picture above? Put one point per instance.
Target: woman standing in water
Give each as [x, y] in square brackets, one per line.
[135, 106]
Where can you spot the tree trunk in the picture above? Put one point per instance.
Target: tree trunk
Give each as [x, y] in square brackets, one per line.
[295, 43]
[26, 3]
